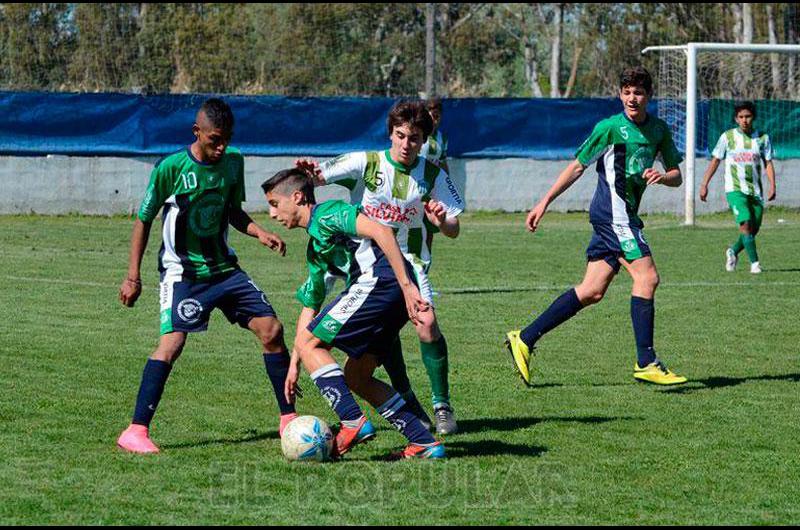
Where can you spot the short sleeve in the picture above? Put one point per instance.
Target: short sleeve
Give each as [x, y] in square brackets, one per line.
[156, 194]
[446, 192]
[595, 145]
[312, 293]
[721, 148]
[345, 170]
[767, 153]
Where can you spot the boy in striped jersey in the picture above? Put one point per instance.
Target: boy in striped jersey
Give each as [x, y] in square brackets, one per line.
[401, 189]
[744, 150]
[625, 147]
[362, 321]
[201, 189]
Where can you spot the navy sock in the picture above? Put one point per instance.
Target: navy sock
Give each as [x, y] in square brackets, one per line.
[643, 312]
[154, 377]
[396, 367]
[330, 381]
[277, 367]
[397, 413]
[565, 307]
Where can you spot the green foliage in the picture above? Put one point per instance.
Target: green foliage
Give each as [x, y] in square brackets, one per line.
[347, 49]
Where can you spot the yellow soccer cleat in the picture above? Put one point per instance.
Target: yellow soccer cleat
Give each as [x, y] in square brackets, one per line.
[657, 373]
[520, 354]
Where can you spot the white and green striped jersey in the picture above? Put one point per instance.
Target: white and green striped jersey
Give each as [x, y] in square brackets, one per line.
[435, 149]
[197, 199]
[743, 155]
[393, 194]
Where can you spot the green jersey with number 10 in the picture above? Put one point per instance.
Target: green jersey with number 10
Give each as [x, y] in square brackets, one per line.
[197, 199]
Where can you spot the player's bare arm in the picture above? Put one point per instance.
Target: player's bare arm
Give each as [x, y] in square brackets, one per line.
[436, 213]
[242, 222]
[567, 178]
[384, 237]
[710, 170]
[131, 287]
[671, 178]
[771, 178]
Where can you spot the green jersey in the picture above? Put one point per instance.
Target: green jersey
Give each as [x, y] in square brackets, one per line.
[333, 244]
[197, 199]
[623, 150]
[743, 155]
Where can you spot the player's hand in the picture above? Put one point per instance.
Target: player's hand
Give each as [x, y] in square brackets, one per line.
[310, 167]
[291, 390]
[415, 304]
[652, 176]
[772, 194]
[436, 212]
[273, 241]
[129, 291]
[535, 216]
[703, 192]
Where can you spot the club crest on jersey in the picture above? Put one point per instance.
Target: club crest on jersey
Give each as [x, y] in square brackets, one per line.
[189, 310]
[640, 160]
[206, 214]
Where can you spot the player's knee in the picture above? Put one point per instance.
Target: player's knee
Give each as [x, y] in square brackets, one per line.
[648, 281]
[270, 333]
[590, 296]
[169, 349]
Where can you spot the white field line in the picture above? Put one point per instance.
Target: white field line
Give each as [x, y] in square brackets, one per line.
[463, 290]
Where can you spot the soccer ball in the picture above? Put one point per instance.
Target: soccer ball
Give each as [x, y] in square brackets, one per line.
[307, 438]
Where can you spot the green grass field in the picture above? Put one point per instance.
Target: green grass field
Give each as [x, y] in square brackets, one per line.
[586, 445]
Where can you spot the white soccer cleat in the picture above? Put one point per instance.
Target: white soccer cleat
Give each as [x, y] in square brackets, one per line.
[731, 259]
[755, 268]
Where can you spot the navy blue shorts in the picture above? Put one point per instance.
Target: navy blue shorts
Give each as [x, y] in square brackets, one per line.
[187, 305]
[610, 242]
[365, 318]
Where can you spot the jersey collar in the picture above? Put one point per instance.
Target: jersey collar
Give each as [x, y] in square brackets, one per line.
[645, 122]
[398, 165]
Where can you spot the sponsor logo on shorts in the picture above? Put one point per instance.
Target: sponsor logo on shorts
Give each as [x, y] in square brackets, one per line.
[189, 310]
[330, 325]
[629, 245]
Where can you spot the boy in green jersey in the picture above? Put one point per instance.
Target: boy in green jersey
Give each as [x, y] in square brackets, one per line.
[201, 189]
[625, 147]
[362, 321]
[744, 150]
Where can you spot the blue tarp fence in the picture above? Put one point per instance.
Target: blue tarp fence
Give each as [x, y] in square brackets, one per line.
[37, 123]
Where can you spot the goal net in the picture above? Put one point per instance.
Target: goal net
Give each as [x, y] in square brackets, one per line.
[722, 75]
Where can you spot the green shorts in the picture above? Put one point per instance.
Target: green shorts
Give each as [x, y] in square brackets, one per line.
[746, 208]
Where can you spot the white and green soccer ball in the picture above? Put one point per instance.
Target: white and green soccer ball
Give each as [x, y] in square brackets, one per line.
[307, 439]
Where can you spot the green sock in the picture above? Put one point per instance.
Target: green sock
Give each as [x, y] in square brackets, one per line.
[738, 246]
[750, 246]
[396, 368]
[434, 356]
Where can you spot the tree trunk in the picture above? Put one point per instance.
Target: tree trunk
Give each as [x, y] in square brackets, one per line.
[531, 70]
[555, 51]
[747, 23]
[773, 57]
[737, 22]
[430, 49]
[573, 73]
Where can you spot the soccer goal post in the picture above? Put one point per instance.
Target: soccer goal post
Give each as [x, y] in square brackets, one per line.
[698, 83]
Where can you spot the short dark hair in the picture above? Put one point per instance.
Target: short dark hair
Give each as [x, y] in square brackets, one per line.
[412, 112]
[744, 105]
[636, 76]
[218, 113]
[287, 181]
[434, 103]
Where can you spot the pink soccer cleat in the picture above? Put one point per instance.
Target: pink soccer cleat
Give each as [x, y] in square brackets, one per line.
[286, 419]
[136, 439]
